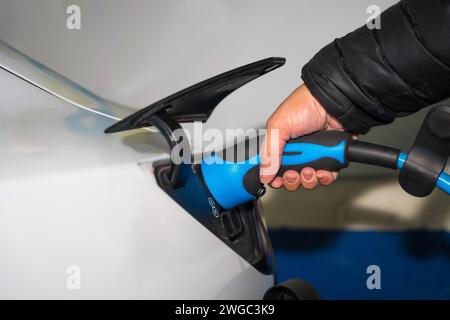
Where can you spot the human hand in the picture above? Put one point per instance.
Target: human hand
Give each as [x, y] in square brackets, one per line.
[298, 115]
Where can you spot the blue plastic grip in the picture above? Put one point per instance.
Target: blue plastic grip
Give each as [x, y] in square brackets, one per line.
[309, 152]
[225, 179]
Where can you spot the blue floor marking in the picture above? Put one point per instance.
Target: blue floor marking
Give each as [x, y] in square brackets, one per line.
[414, 264]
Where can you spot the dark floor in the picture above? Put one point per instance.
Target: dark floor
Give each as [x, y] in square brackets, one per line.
[413, 264]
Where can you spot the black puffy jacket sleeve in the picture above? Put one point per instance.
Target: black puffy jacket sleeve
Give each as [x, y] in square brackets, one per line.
[371, 76]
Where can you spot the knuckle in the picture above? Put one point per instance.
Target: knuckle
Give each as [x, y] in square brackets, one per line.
[273, 122]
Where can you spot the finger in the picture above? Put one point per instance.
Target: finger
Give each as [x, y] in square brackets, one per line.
[308, 178]
[335, 174]
[271, 151]
[325, 177]
[277, 183]
[291, 180]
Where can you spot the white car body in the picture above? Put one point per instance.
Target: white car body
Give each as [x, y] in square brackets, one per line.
[81, 214]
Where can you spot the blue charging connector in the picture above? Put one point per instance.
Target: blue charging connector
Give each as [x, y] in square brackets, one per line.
[233, 183]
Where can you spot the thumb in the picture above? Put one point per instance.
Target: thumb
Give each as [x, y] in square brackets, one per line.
[270, 155]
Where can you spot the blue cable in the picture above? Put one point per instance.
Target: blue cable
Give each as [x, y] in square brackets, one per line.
[443, 181]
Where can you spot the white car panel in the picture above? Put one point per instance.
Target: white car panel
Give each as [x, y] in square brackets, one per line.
[73, 196]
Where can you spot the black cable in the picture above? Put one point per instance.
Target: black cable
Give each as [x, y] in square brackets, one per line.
[375, 154]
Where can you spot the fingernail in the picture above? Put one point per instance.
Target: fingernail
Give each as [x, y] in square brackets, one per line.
[307, 175]
[265, 179]
[291, 178]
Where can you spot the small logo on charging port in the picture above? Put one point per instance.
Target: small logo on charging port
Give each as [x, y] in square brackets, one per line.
[212, 204]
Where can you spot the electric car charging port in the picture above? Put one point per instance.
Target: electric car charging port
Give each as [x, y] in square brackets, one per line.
[232, 224]
[241, 228]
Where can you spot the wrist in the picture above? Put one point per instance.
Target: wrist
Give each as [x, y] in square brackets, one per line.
[330, 122]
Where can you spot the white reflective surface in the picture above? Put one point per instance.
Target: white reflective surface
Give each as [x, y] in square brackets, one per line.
[73, 196]
[43, 77]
